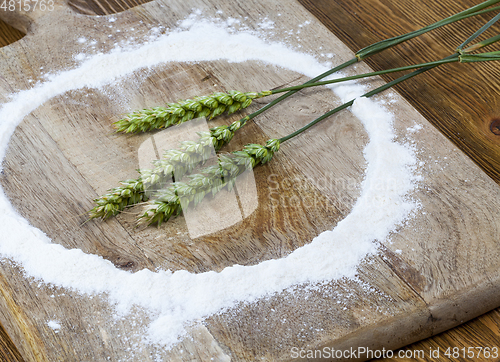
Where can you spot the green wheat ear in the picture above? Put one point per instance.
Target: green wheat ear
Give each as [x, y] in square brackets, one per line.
[176, 162]
[132, 191]
[166, 203]
[209, 106]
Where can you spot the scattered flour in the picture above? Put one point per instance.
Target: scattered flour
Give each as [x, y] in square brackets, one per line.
[266, 24]
[180, 298]
[54, 325]
[415, 128]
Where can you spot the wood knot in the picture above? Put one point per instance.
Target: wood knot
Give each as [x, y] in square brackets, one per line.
[125, 265]
[495, 126]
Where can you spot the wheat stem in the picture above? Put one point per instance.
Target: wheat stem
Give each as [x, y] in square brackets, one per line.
[217, 103]
[478, 33]
[366, 75]
[384, 44]
[351, 102]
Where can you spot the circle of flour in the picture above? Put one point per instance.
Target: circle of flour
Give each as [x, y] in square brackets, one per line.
[181, 297]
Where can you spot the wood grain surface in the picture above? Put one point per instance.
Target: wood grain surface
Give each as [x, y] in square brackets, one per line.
[99, 7]
[219, 327]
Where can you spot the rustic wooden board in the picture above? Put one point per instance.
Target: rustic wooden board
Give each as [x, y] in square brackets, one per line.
[446, 272]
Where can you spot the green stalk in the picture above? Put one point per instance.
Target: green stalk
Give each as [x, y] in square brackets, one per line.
[291, 92]
[369, 94]
[365, 75]
[378, 47]
[481, 44]
[384, 44]
[465, 57]
[479, 32]
[483, 57]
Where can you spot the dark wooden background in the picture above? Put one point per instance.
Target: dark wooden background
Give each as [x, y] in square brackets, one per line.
[461, 100]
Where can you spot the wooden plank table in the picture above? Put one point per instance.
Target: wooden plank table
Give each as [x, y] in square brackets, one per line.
[473, 135]
[464, 109]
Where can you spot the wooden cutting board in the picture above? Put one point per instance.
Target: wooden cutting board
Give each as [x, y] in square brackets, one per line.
[439, 270]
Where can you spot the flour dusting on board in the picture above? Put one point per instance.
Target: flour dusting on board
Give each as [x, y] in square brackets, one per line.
[177, 299]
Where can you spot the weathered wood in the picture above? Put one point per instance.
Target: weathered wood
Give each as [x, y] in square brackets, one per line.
[96, 7]
[8, 351]
[413, 288]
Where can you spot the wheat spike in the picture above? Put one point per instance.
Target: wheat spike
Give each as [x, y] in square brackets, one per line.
[209, 106]
[167, 202]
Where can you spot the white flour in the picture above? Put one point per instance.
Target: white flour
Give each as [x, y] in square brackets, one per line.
[180, 298]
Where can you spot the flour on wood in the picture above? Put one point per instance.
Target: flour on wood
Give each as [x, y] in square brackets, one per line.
[178, 299]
